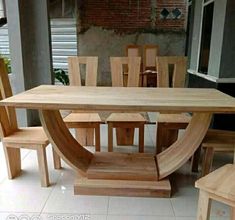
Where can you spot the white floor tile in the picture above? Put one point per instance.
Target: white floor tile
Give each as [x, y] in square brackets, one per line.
[139, 206]
[17, 216]
[53, 216]
[184, 206]
[140, 217]
[185, 218]
[64, 201]
[22, 198]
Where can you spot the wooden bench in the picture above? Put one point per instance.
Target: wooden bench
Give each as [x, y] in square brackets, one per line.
[218, 185]
[220, 141]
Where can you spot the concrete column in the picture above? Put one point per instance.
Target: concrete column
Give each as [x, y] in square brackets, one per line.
[195, 47]
[228, 52]
[30, 48]
[217, 38]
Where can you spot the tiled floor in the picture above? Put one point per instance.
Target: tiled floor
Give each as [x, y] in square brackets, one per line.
[23, 198]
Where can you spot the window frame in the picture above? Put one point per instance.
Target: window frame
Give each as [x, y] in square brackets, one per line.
[204, 4]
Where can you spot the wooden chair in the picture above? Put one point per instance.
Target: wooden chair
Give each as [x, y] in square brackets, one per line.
[132, 50]
[14, 138]
[125, 123]
[218, 185]
[169, 124]
[85, 123]
[150, 53]
[216, 141]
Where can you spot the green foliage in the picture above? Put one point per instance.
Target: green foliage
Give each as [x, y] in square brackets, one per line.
[62, 76]
[7, 62]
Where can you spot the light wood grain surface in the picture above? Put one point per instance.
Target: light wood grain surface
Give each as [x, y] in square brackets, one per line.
[123, 99]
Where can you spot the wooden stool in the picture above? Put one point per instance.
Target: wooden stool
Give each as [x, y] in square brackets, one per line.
[127, 121]
[218, 185]
[216, 141]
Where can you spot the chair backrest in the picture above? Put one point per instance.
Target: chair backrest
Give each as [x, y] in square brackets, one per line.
[117, 72]
[178, 64]
[133, 50]
[8, 119]
[74, 64]
[150, 53]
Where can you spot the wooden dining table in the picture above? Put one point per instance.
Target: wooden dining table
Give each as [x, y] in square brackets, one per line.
[115, 173]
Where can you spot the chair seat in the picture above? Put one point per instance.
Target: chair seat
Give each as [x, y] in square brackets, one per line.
[173, 118]
[126, 117]
[219, 139]
[221, 182]
[74, 119]
[29, 135]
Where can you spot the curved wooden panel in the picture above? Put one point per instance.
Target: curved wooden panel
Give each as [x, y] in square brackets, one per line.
[63, 142]
[178, 153]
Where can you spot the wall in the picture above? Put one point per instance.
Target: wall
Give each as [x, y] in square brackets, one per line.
[106, 27]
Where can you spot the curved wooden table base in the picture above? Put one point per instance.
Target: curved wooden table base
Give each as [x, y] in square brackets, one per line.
[178, 153]
[63, 142]
[82, 160]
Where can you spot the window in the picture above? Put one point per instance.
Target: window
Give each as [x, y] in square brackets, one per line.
[188, 29]
[208, 10]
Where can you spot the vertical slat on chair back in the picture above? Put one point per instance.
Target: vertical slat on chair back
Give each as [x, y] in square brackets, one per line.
[7, 114]
[75, 73]
[133, 51]
[149, 56]
[179, 72]
[133, 64]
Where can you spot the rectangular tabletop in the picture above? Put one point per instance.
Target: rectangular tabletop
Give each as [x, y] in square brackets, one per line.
[123, 99]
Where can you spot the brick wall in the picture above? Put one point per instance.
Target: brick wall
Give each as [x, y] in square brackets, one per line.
[129, 16]
[171, 23]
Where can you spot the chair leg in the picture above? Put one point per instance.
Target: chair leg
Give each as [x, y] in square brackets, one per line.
[97, 138]
[172, 136]
[145, 80]
[232, 213]
[161, 137]
[90, 136]
[42, 164]
[234, 156]
[56, 160]
[141, 138]
[195, 160]
[125, 136]
[80, 135]
[110, 137]
[13, 161]
[207, 160]
[204, 206]
[165, 137]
